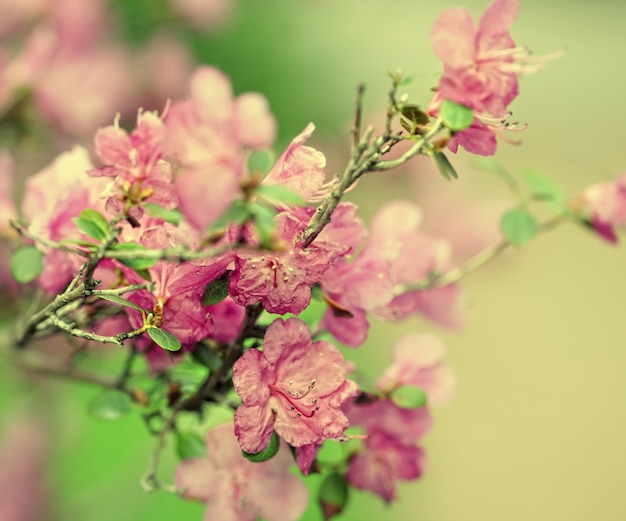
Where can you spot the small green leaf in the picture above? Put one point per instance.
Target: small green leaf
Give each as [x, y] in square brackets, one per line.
[268, 453]
[455, 116]
[545, 188]
[190, 445]
[518, 226]
[415, 115]
[164, 339]
[26, 264]
[261, 161]
[445, 167]
[333, 495]
[237, 213]
[265, 224]
[122, 302]
[409, 397]
[406, 81]
[169, 216]
[110, 405]
[137, 263]
[280, 193]
[215, 291]
[94, 224]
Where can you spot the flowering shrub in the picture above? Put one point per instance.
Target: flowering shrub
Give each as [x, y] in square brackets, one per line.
[242, 281]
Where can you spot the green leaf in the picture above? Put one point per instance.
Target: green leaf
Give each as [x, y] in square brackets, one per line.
[415, 115]
[190, 445]
[445, 167]
[545, 188]
[261, 161]
[122, 302]
[518, 226]
[110, 405]
[238, 212]
[456, 117]
[26, 264]
[409, 397]
[164, 339]
[280, 193]
[265, 224]
[169, 216]
[333, 494]
[137, 263]
[215, 291]
[266, 454]
[406, 81]
[93, 223]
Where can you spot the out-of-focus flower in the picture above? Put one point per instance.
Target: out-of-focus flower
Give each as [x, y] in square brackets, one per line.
[204, 14]
[295, 387]
[236, 489]
[606, 202]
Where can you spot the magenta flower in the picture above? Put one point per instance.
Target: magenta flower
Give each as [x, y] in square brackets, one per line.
[384, 461]
[606, 202]
[295, 387]
[236, 489]
[418, 361]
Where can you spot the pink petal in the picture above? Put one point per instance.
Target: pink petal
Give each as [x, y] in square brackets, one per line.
[113, 145]
[453, 36]
[252, 374]
[254, 427]
[498, 17]
[254, 124]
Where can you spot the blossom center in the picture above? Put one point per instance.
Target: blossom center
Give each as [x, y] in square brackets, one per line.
[293, 400]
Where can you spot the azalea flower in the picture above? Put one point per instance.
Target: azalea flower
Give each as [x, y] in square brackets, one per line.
[295, 387]
[236, 489]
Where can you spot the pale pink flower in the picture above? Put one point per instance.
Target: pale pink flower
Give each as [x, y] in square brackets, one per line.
[480, 69]
[24, 494]
[384, 461]
[208, 136]
[236, 489]
[606, 202]
[53, 197]
[299, 168]
[136, 162]
[418, 361]
[295, 387]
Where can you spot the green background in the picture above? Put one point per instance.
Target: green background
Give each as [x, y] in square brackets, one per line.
[537, 430]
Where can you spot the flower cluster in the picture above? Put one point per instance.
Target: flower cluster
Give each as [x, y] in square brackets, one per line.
[245, 283]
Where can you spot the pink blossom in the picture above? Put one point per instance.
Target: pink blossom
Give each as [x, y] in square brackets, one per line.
[299, 168]
[53, 197]
[383, 461]
[480, 69]
[208, 135]
[418, 361]
[382, 415]
[295, 387]
[23, 491]
[282, 280]
[236, 489]
[136, 162]
[606, 202]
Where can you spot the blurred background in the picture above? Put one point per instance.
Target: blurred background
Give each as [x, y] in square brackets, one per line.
[538, 427]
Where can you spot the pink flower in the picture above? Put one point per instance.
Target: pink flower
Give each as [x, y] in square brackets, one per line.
[299, 168]
[606, 202]
[294, 386]
[480, 69]
[383, 462]
[208, 135]
[418, 361]
[282, 280]
[136, 162]
[236, 489]
[53, 197]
